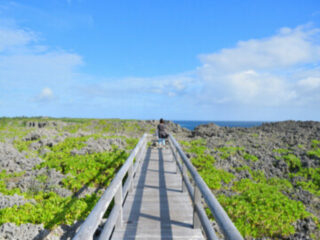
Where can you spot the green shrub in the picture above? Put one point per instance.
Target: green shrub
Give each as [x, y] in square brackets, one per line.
[227, 151]
[50, 210]
[250, 157]
[281, 151]
[243, 168]
[96, 170]
[294, 163]
[204, 163]
[315, 152]
[4, 176]
[261, 210]
[315, 143]
[310, 186]
[42, 178]
[255, 135]
[131, 142]
[311, 180]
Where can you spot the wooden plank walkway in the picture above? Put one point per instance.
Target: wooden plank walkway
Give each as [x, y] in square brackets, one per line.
[157, 208]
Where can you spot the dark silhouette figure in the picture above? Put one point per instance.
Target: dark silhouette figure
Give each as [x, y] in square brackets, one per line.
[162, 134]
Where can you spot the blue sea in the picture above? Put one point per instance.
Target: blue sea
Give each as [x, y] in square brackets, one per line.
[192, 124]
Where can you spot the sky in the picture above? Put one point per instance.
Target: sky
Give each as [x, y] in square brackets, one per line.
[179, 60]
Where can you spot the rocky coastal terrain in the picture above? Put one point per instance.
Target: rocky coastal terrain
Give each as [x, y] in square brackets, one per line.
[38, 177]
[267, 177]
[263, 166]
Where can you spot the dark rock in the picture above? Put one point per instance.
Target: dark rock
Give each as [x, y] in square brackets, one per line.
[207, 130]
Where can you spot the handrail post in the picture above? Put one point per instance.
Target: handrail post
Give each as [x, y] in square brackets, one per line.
[130, 177]
[196, 201]
[118, 201]
[184, 175]
[176, 155]
[140, 152]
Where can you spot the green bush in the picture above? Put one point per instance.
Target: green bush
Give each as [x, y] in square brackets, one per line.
[315, 152]
[311, 180]
[250, 157]
[204, 163]
[50, 210]
[281, 151]
[95, 169]
[294, 163]
[315, 143]
[261, 210]
[227, 151]
[4, 176]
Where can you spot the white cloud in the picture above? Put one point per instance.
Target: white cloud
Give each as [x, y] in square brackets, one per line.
[10, 38]
[26, 66]
[287, 48]
[310, 83]
[282, 70]
[172, 86]
[264, 72]
[45, 95]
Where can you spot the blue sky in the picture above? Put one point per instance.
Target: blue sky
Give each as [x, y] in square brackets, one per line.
[187, 60]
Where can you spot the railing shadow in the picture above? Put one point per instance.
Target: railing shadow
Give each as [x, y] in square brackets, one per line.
[131, 229]
[166, 231]
[135, 212]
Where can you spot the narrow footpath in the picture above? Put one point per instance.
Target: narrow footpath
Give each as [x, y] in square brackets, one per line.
[157, 208]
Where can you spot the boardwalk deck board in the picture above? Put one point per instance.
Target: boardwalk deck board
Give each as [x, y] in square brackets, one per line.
[157, 208]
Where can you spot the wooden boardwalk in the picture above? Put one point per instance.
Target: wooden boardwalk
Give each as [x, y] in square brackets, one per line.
[157, 208]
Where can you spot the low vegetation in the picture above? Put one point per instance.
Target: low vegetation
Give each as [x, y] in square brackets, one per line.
[94, 170]
[204, 163]
[50, 209]
[260, 207]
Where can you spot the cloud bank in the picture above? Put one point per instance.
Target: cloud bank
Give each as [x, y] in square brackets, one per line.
[280, 70]
[280, 73]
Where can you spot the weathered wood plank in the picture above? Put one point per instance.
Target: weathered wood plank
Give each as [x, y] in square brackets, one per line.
[157, 208]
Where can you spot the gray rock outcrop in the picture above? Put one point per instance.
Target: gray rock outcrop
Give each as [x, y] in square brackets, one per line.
[14, 161]
[9, 201]
[10, 231]
[99, 145]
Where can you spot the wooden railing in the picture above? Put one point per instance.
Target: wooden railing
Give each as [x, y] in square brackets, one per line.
[191, 182]
[116, 191]
[198, 191]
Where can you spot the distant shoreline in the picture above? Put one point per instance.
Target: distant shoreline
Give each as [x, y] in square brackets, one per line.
[192, 124]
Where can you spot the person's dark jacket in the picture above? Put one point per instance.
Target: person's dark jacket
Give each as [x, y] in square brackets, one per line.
[162, 131]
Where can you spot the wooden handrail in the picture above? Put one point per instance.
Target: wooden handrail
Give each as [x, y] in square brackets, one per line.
[194, 185]
[115, 191]
[199, 189]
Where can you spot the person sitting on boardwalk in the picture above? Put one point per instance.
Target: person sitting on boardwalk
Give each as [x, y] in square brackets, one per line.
[162, 134]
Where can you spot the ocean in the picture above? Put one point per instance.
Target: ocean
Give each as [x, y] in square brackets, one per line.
[192, 124]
